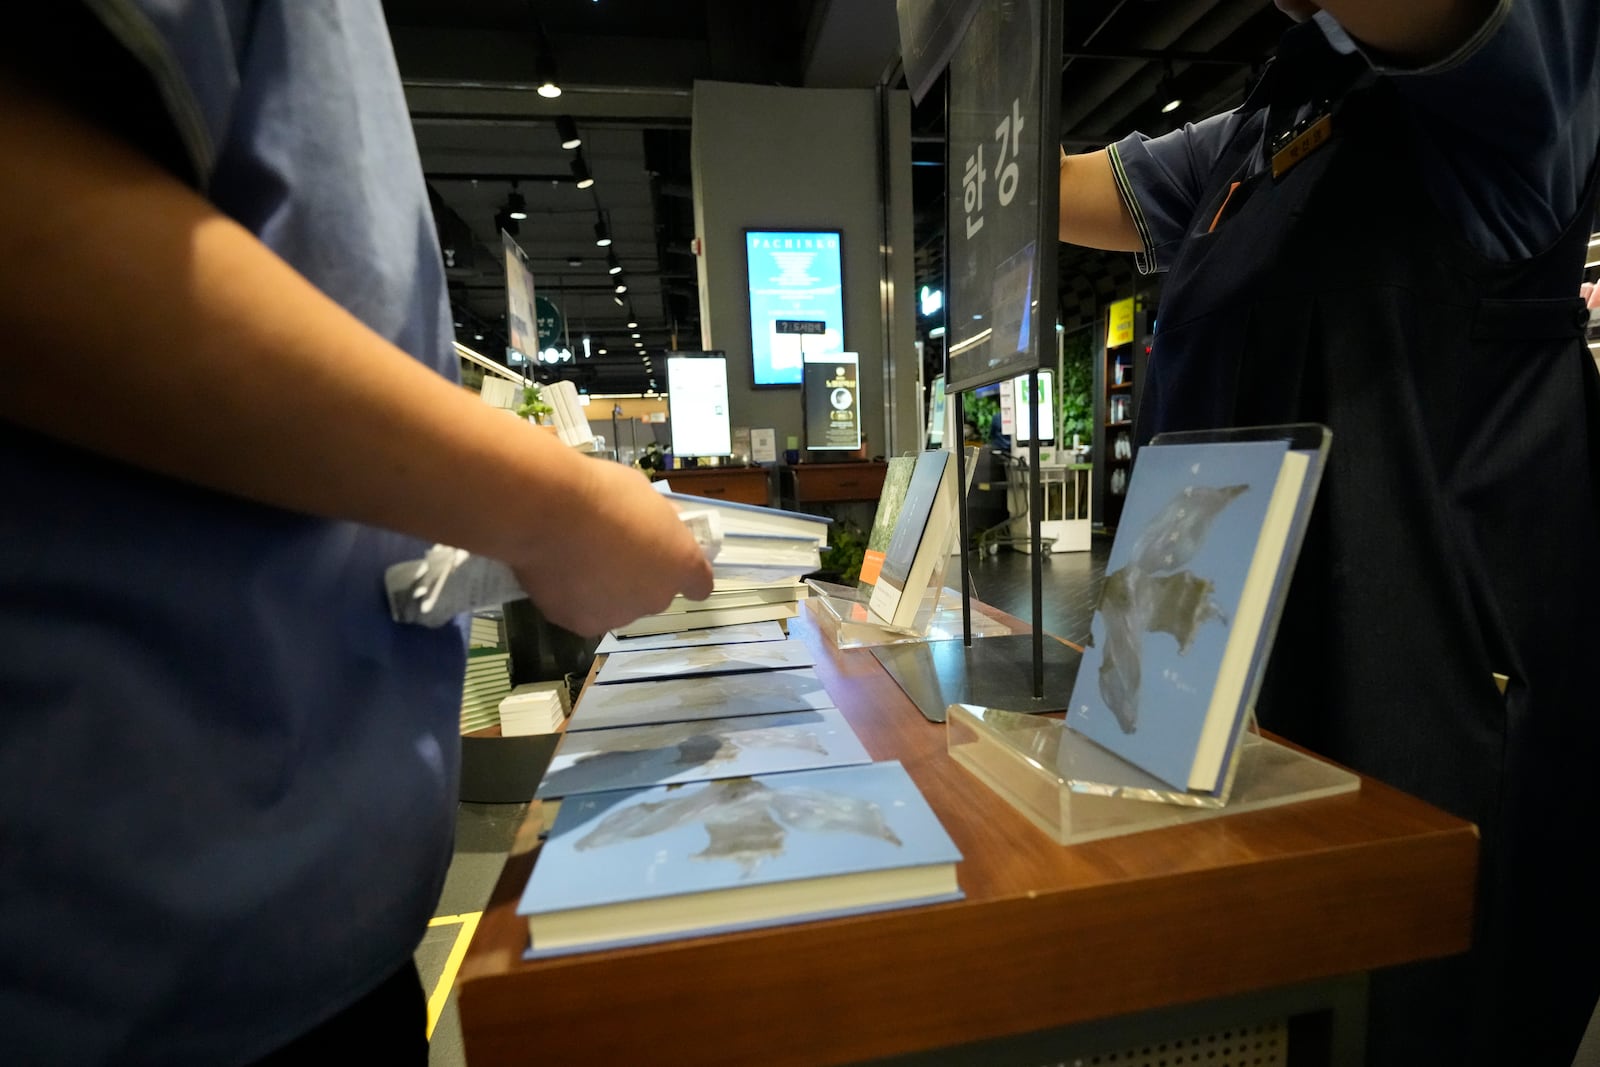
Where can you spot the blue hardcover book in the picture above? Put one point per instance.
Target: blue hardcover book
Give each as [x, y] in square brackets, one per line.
[717, 696]
[634, 757]
[703, 659]
[1194, 582]
[676, 861]
[716, 635]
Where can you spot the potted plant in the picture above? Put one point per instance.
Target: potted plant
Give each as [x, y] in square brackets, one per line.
[533, 406]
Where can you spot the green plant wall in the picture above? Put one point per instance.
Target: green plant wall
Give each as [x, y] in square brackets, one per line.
[1076, 395]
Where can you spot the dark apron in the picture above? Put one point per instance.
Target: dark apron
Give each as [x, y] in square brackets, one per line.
[1455, 535]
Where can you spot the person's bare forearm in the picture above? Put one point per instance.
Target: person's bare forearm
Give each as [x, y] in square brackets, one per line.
[1092, 212]
[141, 324]
[187, 347]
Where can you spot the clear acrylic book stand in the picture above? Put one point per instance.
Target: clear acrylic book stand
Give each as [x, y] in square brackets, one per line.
[843, 615]
[1076, 791]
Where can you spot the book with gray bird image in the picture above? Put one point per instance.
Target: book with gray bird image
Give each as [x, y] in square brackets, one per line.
[677, 861]
[1194, 584]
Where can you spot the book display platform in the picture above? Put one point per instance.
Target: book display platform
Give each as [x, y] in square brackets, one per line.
[1052, 952]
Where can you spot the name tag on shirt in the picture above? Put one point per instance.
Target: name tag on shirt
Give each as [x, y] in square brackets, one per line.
[1297, 143]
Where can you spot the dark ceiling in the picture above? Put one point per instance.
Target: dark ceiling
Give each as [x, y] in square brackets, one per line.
[627, 68]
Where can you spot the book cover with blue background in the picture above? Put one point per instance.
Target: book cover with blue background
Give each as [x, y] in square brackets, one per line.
[716, 696]
[703, 659]
[618, 848]
[1177, 567]
[634, 757]
[716, 635]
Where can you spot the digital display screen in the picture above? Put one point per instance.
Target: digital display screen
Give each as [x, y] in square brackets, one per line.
[936, 409]
[697, 404]
[1017, 416]
[1000, 217]
[796, 280]
[832, 398]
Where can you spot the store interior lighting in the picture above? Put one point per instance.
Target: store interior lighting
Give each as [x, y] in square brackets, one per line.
[544, 73]
[602, 234]
[1169, 92]
[568, 131]
[612, 264]
[516, 206]
[580, 171]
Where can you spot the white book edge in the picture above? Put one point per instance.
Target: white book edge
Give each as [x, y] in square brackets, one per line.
[685, 912]
[1255, 598]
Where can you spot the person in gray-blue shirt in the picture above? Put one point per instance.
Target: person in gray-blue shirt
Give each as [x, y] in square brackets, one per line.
[227, 779]
[1387, 237]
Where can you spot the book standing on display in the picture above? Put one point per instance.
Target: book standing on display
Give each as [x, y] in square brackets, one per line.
[1161, 705]
[919, 547]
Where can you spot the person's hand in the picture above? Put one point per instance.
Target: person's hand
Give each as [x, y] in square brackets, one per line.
[624, 555]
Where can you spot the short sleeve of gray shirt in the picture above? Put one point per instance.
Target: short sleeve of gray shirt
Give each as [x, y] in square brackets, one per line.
[1507, 128]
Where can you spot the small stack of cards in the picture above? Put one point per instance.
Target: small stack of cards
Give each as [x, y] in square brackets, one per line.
[535, 708]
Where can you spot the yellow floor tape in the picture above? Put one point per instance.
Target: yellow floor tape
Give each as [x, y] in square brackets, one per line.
[452, 964]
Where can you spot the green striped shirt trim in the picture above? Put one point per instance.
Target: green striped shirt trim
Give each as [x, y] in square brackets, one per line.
[1145, 260]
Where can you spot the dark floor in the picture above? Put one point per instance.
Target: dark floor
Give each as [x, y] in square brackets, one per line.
[1069, 584]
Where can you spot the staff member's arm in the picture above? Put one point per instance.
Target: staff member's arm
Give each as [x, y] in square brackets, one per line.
[192, 350]
[1095, 214]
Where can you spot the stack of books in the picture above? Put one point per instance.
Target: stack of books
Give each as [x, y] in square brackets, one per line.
[535, 708]
[731, 603]
[705, 784]
[759, 544]
[568, 416]
[485, 630]
[488, 682]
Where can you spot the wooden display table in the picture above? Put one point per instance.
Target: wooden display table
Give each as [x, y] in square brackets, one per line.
[742, 485]
[1244, 906]
[832, 483]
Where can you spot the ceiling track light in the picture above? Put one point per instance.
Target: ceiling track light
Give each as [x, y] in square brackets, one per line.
[516, 206]
[1169, 92]
[622, 287]
[568, 132]
[612, 266]
[602, 234]
[580, 171]
[544, 72]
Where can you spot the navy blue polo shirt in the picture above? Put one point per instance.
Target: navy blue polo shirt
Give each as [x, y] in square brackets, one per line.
[1506, 129]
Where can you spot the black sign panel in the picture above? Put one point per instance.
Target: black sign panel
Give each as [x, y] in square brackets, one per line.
[1002, 195]
[799, 326]
[929, 30]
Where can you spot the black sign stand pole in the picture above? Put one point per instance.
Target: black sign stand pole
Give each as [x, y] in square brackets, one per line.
[965, 525]
[995, 672]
